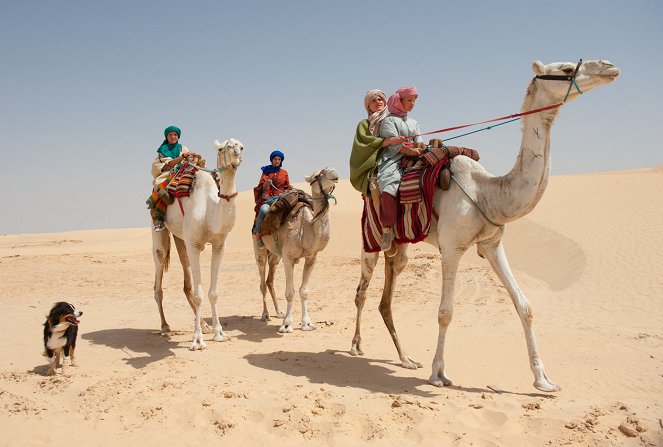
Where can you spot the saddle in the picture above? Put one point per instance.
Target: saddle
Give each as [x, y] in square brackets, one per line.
[286, 206]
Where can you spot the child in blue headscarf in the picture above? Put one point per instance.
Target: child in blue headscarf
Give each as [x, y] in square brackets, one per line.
[273, 182]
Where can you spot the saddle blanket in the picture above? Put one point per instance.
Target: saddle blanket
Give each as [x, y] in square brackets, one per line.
[413, 221]
[415, 207]
[411, 182]
[182, 183]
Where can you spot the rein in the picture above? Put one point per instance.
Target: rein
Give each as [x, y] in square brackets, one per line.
[572, 82]
[514, 117]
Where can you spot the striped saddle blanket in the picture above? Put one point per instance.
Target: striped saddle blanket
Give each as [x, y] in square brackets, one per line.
[182, 183]
[415, 208]
[411, 187]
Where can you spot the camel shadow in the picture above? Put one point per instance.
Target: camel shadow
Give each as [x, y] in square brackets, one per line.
[252, 328]
[340, 369]
[133, 342]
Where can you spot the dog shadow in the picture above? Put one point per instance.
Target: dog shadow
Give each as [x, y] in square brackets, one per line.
[134, 343]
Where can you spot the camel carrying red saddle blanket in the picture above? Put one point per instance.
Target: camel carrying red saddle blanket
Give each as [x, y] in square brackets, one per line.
[415, 207]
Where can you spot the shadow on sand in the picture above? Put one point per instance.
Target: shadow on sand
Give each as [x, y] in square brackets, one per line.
[133, 342]
[340, 369]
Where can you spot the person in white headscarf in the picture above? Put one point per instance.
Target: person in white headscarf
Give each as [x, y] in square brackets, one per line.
[367, 142]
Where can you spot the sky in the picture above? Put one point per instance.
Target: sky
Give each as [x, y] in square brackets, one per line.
[87, 88]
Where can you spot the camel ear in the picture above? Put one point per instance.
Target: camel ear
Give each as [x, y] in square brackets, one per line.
[538, 68]
[219, 145]
[309, 179]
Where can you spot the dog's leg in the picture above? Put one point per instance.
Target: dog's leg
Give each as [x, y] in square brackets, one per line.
[50, 354]
[72, 356]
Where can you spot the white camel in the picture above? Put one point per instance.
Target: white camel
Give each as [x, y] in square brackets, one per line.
[208, 216]
[497, 201]
[301, 236]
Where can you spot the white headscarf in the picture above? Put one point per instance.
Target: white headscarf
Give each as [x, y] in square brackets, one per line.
[375, 119]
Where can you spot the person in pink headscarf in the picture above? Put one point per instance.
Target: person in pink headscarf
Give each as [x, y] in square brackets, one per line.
[397, 123]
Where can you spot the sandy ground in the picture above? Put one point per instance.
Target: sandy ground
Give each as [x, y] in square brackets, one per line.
[589, 258]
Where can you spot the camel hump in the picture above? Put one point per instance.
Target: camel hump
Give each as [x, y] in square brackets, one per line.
[287, 205]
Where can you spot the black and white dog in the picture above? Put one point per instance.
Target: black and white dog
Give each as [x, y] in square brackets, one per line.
[60, 331]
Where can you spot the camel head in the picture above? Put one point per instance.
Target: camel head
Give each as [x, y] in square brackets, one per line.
[229, 153]
[323, 181]
[590, 75]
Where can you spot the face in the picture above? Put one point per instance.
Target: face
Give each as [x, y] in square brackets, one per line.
[408, 102]
[376, 104]
[172, 137]
[276, 161]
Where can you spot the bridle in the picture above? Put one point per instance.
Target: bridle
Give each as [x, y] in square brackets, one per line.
[570, 78]
[325, 198]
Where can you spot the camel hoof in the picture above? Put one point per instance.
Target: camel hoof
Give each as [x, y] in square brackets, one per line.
[197, 344]
[356, 351]
[547, 386]
[265, 318]
[439, 381]
[165, 330]
[285, 329]
[206, 329]
[308, 327]
[411, 364]
[221, 337]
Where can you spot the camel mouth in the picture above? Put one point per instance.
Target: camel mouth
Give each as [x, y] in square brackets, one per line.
[612, 72]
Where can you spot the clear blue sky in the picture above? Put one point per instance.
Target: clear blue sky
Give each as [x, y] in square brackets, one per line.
[87, 88]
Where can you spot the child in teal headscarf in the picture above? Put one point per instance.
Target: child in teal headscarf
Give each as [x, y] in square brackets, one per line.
[169, 155]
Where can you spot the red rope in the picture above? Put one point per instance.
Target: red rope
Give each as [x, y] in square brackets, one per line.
[490, 121]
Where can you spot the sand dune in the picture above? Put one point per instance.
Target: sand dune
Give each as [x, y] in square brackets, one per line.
[589, 258]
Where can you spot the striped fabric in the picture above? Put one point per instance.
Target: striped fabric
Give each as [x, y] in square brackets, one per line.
[182, 183]
[413, 222]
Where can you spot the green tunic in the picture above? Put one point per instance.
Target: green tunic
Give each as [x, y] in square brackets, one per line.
[363, 159]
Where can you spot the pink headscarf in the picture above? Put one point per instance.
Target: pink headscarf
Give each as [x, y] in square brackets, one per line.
[394, 103]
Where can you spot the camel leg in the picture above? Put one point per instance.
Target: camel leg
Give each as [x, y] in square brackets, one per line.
[493, 251]
[450, 261]
[188, 282]
[261, 255]
[217, 256]
[289, 268]
[273, 261]
[393, 266]
[368, 262]
[198, 293]
[309, 263]
[161, 254]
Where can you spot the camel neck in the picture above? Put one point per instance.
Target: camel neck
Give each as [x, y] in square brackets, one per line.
[227, 182]
[525, 183]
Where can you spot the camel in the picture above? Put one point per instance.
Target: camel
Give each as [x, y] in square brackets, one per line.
[478, 205]
[302, 236]
[208, 216]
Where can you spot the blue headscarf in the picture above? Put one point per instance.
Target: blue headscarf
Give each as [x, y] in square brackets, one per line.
[170, 150]
[270, 168]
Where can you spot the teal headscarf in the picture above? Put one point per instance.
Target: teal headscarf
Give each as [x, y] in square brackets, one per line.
[170, 150]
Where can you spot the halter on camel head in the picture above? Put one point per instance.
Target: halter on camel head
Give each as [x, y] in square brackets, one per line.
[570, 78]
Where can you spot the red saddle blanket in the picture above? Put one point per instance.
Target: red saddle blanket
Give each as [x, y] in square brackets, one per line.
[415, 205]
[414, 218]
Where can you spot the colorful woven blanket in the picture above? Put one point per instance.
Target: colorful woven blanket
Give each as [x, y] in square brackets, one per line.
[413, 221]
[182, 183]
[415, 206]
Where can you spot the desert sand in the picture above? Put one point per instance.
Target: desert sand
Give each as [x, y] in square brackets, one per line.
[589, 258]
